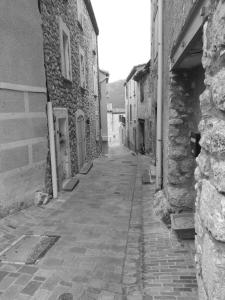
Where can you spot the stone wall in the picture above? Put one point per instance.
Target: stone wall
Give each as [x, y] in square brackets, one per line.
[69, 94]
[210, 172]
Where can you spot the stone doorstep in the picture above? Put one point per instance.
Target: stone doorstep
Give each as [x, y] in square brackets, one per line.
[70, 184]
[146, 177]
[183, 224]
[86, 168]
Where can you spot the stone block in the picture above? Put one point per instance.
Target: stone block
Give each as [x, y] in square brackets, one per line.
[39, 151]
[218, 89]
[13, 158]
[22, 129]
[11, 101]
[213, 139]
[211, 263]
[183, 225]
[181, 197]
[205, 102]
[212, 210]
[218, 170]
[203, 162]
[37, 102]
[177, 152]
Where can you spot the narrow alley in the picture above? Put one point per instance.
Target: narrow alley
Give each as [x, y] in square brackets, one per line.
[110, 246]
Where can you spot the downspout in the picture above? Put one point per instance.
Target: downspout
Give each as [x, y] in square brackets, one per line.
[52, 148]
[159, 98]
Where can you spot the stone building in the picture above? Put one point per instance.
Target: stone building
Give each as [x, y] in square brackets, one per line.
[140, 111]
[116, 130]
[188, 74]
[104, 89]
[71, 62]
[145, 111]
[23, 122]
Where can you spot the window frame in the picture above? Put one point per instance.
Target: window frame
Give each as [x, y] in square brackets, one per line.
[66, 65]
[83, 72]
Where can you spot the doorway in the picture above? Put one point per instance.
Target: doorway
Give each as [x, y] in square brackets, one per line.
[81, 138]
[62, 145]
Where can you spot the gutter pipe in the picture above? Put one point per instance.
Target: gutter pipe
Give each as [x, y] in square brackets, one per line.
[159, 98]
[52, 149]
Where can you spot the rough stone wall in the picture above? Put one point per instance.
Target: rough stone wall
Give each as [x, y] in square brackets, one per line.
[67, 94]
[210, 172]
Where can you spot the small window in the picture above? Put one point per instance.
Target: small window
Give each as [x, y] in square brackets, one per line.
[93, 40]
[82, 69]
[130, 112]
[95, 80]
[80, 13]
[65, 50]
[142, 90]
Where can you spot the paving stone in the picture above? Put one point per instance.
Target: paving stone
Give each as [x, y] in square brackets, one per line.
[23, 279]
[39, 278]
[6, 282]
[28, 270]
[3, 274]
[31, 288]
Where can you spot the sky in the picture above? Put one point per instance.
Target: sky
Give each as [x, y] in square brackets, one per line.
[124, 35]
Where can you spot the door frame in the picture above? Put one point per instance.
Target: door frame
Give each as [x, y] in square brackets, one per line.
[79, 113]
[62, 113]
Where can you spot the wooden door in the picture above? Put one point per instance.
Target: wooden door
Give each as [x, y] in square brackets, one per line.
[81, 141]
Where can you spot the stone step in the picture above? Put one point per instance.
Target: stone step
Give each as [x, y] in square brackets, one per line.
[70, 184]
[146, 177]
[183, 224]
[86, 168]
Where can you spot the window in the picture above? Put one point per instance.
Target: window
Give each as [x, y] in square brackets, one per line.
[93, 40]
[80, 13]
[95, 80]
[82, 69]
[130, 112]
[66, 67]
[141, 90]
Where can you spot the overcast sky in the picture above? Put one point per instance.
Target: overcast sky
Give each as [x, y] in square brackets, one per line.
[124, 38]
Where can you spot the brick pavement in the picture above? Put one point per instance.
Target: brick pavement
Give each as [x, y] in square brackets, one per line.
[111, 246]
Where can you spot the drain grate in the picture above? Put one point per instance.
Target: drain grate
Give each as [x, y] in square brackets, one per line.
[28, 249]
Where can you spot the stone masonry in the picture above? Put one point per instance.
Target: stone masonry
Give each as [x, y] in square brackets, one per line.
[65, 93]
[210, 172]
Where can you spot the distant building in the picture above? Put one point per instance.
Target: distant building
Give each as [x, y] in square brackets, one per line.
[140, 111]
[116, 128]
[104, 89]
[146, 111]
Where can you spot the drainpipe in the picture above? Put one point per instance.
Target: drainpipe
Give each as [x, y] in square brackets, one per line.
[159, 97]
[52, 149]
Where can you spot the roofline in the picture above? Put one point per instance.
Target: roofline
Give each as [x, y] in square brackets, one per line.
[104, 72]
[141, 73]
[92, 15]
[134, 69]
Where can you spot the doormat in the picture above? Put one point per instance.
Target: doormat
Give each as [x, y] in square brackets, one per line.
[28, 249]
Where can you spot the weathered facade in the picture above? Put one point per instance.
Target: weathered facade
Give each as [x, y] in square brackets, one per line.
[193, 108]
[145, 111]
[104, 89]
[140, 110]
[116, 129]
[71, 61]
[23, 128]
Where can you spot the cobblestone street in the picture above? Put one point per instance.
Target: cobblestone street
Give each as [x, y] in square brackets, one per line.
[111, 246]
